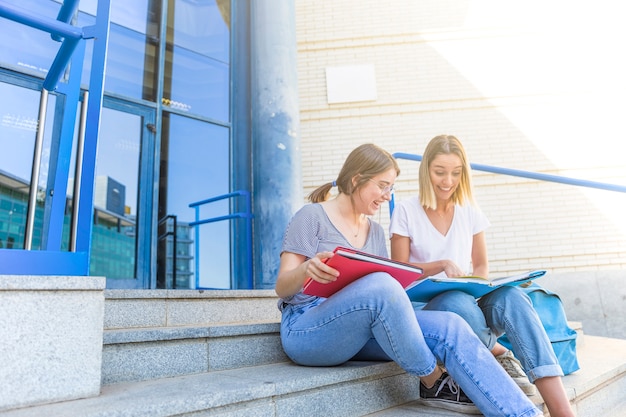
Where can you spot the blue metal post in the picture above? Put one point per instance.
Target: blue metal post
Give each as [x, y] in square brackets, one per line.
[94, 109]
[241, 154]
[275, 131]
[67, 10]
[61, 153]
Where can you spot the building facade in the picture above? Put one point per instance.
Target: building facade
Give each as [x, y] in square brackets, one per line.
[202, 99]
[535, 87]
[177, 127]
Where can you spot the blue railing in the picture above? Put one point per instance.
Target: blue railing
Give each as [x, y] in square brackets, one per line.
[245, 214]
[51, 260]
[521, 173]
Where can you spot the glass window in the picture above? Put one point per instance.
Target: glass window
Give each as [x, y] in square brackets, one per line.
[197, 58]
[129, 14]
[203, 27]
[132, 55]
[194, 167]
[113, 241]
[36, 58]
[18, 130]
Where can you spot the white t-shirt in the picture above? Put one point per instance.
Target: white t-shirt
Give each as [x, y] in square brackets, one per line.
[427, 243]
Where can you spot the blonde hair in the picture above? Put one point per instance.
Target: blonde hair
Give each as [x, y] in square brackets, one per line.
[364, 162]
[446, 145]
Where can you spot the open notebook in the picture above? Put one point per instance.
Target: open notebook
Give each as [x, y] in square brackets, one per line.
[476, 286]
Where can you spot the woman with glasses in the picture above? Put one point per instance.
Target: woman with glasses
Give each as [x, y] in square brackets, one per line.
[442, 231]
[372, 318]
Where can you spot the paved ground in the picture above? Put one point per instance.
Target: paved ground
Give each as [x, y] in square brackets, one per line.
[596, 298]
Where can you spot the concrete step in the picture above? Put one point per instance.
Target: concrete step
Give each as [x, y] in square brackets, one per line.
[152, 334]
[167, 333]
[127, 309]
[354, 389]
[160, 352]
[285, 389]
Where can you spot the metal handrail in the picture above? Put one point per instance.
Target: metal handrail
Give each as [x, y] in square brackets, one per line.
[67, 10]
[521, 173]
[78, 171]
[34, 176]
[42, 262]
[174, 235]
[246, 214]
[69, 36]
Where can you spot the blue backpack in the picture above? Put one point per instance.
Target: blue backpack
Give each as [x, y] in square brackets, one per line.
[552, 315]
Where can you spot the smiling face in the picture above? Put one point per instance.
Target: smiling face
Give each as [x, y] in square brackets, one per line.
[374, 192]
[445, 171]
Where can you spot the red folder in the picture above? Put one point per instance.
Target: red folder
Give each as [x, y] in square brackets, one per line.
[353, 264]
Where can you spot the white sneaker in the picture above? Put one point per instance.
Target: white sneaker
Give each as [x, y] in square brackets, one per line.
[513, 367]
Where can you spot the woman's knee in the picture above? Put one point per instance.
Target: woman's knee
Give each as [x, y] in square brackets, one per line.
[507, 297]
[455, 301]
[454, 323]
[379, 284]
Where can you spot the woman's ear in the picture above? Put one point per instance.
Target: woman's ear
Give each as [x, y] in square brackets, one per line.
[355, 180]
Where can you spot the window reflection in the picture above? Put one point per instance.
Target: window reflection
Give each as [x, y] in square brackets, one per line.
[196, 84]
[202, 27]
[197, 59]
[18, 130]
[113, 247]
[194, 158]
[194, 155]
[128, 14]
[133, 47]
[38, 56]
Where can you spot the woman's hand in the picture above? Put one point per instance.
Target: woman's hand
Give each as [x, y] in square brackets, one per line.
[318, 271]
[295, 269]
[452, 270]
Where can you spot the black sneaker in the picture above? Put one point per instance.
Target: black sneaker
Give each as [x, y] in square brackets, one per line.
[447, 394]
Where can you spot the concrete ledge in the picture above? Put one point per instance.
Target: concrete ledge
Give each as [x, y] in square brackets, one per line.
[50, 283]
[51, 338]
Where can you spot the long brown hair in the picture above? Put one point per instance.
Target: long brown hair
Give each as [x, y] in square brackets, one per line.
[364, 162]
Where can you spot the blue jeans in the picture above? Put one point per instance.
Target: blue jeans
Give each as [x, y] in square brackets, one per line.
[373, 319]
[507, 309]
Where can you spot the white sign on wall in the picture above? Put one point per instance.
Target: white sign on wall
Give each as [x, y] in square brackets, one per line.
[348, 84]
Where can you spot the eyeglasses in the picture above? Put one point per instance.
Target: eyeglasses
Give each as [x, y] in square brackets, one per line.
[384, 189]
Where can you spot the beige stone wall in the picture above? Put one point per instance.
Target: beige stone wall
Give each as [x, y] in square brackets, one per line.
[536, 86]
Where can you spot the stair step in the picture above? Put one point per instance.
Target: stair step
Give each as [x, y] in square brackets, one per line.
[124, 309]
[218, 353]
[353, 389]
[190, 353]
[285, 389]
[152, 353]
[185, 332]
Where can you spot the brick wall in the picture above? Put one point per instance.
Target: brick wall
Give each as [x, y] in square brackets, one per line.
[530, 86]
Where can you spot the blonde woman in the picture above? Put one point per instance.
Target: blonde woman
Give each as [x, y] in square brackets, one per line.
[443, 231]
